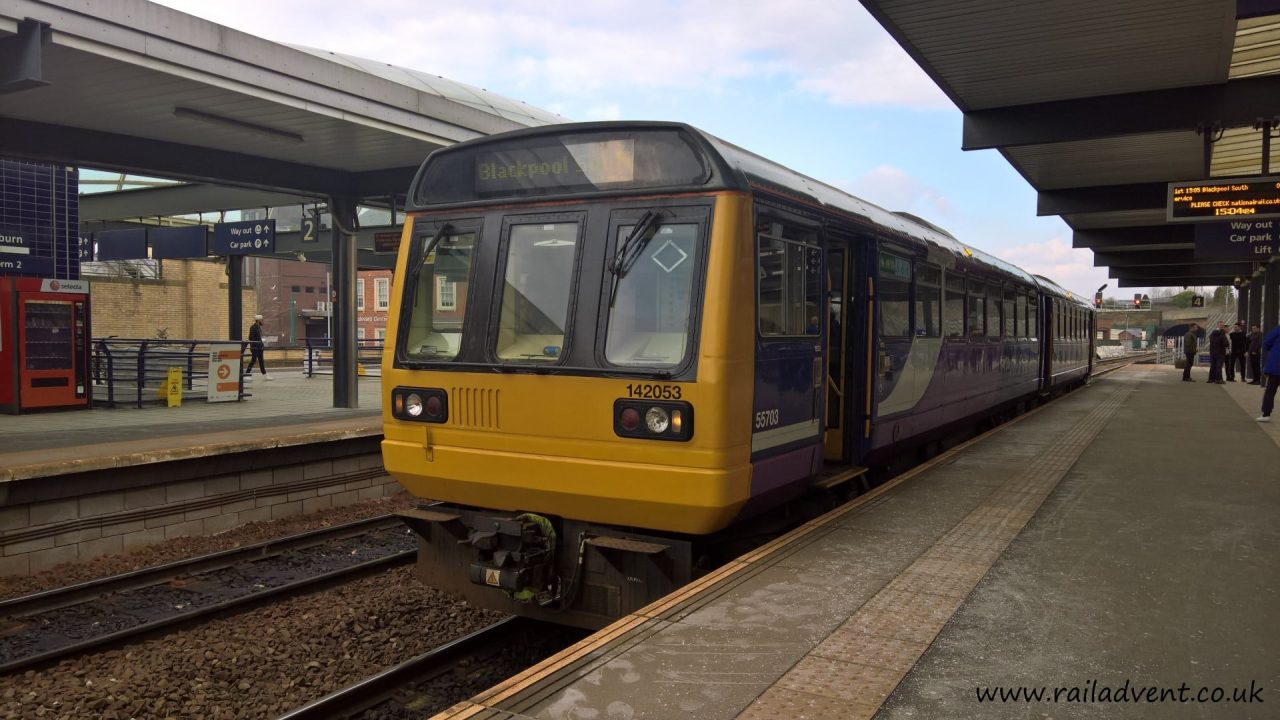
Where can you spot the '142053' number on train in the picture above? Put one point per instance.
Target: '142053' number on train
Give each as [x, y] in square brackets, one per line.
[654, 392]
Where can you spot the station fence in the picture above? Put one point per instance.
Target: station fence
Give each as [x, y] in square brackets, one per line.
[127, 371]
[319, 359]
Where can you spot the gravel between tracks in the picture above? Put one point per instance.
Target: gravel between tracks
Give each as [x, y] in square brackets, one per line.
[257, 664]
[187, 547]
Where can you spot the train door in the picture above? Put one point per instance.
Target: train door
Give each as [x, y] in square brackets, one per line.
[790, 380]
[838, 325]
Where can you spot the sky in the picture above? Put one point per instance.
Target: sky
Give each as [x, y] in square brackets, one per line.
[839, 101]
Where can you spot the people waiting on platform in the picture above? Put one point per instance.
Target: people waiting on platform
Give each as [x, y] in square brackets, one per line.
[1255, 354]
[1189, 345]
[1218, 344]
[1271, 369]
[1239, 346]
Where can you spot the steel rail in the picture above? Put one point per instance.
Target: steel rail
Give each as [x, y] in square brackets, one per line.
[376, 689]
[238, 603]
[146, 577]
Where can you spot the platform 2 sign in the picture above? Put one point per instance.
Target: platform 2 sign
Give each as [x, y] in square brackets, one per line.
[224, 372]
[1257, 240]
[1207, 200]
[246, 237]
[18, 247]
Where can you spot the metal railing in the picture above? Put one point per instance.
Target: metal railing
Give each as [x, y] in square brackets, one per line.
[319, 359]
[133, 371]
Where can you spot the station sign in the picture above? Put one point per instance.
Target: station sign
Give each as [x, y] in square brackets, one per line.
[179, 242]
[1257, 240]
[1208, 200]
[121, 244]
[19, 246]
[386, 242]
[16, 240]
[224, 372]
[246, 237]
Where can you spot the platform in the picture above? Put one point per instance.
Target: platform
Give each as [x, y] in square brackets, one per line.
[1121, 538]
[75, 485]
[295, 407]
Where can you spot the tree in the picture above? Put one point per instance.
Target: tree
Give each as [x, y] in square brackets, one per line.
[1223, 295]
[1182, 299]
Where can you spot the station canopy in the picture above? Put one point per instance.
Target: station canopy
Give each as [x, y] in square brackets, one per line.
[1100, 104]
[142, 92]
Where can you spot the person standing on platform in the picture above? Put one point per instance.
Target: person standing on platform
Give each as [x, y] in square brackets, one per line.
[1189, 347]
[1271, 369]
[255, 348]
[1239, 345]
[1218, 344]
[1255, 354]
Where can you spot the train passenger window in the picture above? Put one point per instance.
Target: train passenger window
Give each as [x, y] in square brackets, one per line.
[1033, 317]
[894, 291]
[928, 301]
[652, 307]
[953, 306]
[790, 282]
[535, 294]
[434, 332]
[1010, 313]
[977, 309]
[993, 311]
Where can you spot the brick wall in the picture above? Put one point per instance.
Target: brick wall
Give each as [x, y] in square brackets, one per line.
[190, 301]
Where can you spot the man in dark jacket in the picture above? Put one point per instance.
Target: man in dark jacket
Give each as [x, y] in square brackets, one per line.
[1255, 354]
[1239, 345]
[1218, 344]
[1271, 346]
[1189, 347]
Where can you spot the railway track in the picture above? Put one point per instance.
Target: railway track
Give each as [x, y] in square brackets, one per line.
[375, 690]
[43, 627]
[1102, 367]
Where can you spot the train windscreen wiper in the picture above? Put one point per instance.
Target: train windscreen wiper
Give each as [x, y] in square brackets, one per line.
[626, 256]
[427, 249]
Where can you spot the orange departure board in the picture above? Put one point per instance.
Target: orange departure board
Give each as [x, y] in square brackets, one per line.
[1224, 199]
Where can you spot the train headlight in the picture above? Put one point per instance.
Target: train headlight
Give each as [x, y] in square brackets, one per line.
[420, 404]
[650, 420]
[657, 420]
[413, 405]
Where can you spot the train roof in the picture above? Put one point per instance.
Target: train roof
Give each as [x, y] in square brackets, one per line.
[734, 168]
[1052, 288]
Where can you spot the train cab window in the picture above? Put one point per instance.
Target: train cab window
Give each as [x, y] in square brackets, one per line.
[894, 293]
[977, 309]
[650, 317]
[953, 306]
[993, 311]
[536, 292]
[790, 281]
[928, 301]
[1010, 313]
[434, 332]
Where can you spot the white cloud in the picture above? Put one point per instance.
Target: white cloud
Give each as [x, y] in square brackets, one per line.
[893, 188]
[1072, 268]
[609, 111]
[584, 49]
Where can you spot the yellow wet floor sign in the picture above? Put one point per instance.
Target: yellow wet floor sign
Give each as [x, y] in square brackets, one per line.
[173, 386]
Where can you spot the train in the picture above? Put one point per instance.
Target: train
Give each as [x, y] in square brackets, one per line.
[612, 344]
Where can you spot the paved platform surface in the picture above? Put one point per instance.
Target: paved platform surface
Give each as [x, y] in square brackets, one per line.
[291, 409]
[1122, 538]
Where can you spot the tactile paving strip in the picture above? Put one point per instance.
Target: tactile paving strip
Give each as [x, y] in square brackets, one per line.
[851, 673]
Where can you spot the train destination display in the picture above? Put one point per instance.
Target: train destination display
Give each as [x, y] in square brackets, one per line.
[1203, 200]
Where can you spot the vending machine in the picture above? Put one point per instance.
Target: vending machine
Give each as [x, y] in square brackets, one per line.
[44, 344]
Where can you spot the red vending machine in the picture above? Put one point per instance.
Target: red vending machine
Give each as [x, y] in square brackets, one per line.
[44, 344]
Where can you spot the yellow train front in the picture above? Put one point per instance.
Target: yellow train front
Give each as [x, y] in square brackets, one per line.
[615, 344]
[569, 363]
